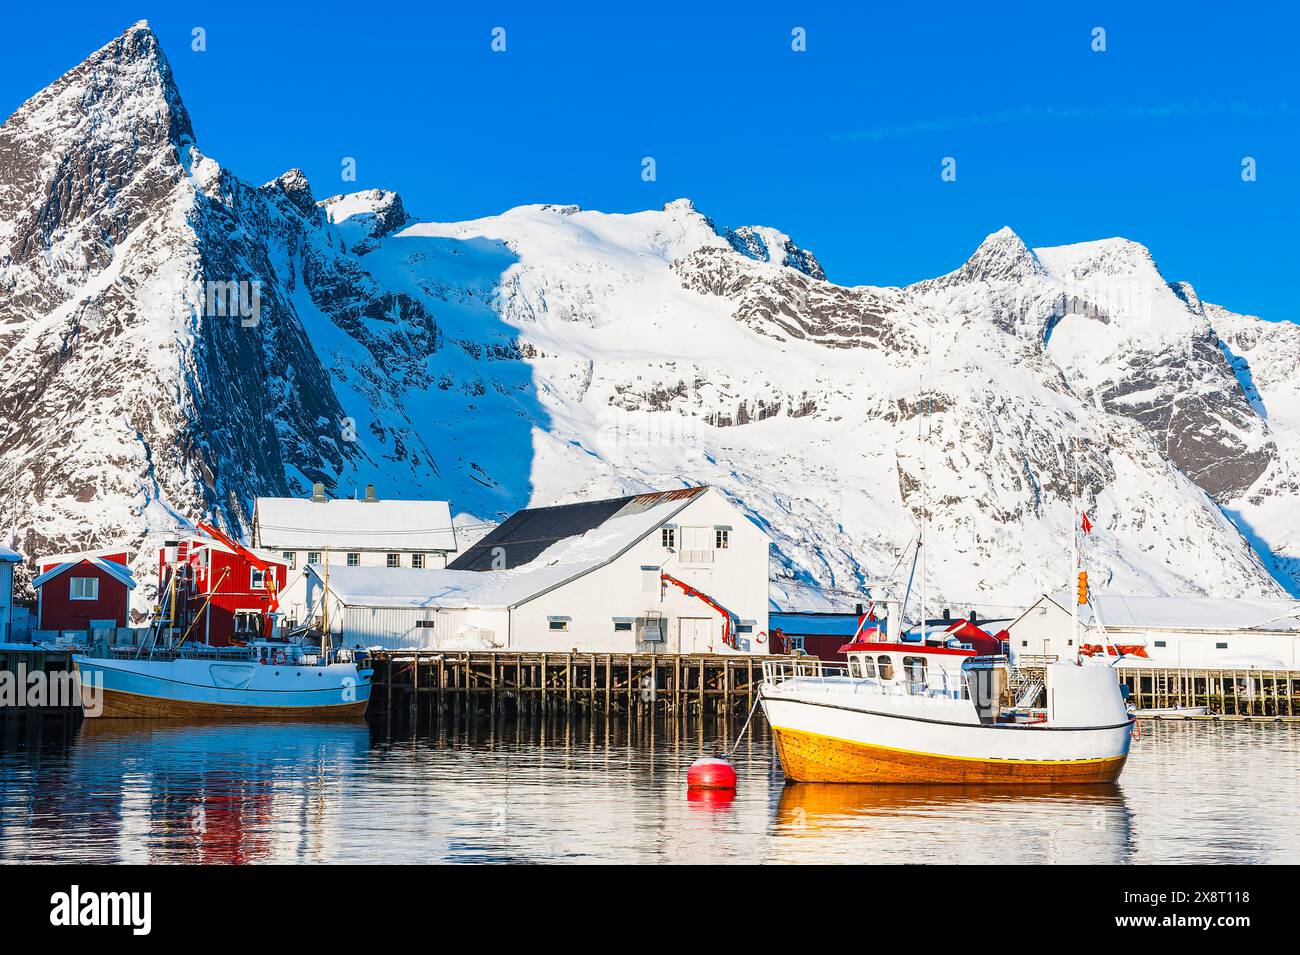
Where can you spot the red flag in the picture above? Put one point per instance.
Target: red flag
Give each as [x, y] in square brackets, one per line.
[1086, 524]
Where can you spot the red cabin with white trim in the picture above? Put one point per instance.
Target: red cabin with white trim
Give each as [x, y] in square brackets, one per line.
[221, 596]
[81, 590]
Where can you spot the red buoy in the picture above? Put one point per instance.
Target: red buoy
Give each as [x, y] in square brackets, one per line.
[711, 772]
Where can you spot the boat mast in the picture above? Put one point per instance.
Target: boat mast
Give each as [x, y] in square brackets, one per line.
[1074, 541]
[925, 510]
[325, 608]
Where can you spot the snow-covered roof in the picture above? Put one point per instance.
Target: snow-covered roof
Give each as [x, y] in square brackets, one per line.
[1189, 613]
[112, 568]
[295, 523]
[403, 587]
[10, 556]
[74, 556]
[547, 534]
[560, 561]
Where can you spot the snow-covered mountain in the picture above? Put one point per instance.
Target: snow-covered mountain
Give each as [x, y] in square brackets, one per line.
[550, 354]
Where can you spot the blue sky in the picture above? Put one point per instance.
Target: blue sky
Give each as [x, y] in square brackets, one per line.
[841, 146]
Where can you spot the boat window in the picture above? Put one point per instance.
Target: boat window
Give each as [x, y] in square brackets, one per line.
[869, 667]
[886, 667]
[855, 670]
[914, 667]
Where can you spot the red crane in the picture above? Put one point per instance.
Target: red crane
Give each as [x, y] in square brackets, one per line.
[690, 591]
[268, 572]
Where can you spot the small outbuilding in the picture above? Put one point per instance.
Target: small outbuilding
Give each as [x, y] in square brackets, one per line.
[89, 590]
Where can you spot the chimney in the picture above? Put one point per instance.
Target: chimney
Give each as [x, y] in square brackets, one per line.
[370, 493]
[861, 610]
[973, 616]
[318, 493]
[947, 614]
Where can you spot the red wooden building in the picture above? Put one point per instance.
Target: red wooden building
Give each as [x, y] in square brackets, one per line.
[221, 595]
[83, 590]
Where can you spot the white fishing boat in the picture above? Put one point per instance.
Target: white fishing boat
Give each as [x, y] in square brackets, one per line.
[906, 712]
[263, 680]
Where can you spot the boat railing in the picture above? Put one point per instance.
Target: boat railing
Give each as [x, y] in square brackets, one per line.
[776, 671]
[938, 684]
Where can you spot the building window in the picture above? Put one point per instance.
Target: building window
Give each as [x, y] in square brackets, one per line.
[650, 581]
[290, 558]
[417, 561]
[557, 624]
[313, 557]
[1220, 646]
[745, 627]
[394, 560]
[1024, 643]
[354, 559]
[426, 624]
[256, 579]
[723, 539]
[668, 536]
[622, 626]
[83, 588]
[1160, 643]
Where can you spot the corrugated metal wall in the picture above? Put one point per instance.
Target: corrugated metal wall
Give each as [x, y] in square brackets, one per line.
[394, 629]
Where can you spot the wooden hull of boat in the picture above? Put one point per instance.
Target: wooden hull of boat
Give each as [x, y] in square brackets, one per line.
[809, 757]
[119, 705]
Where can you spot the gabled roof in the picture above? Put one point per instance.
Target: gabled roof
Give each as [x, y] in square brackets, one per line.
[295, 523]
[526, 535]
[77, 555]
[111, 568]
[10, 556]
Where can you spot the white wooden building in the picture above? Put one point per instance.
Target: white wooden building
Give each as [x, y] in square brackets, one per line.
[673, 571]
[1175, 631]
[369, 532]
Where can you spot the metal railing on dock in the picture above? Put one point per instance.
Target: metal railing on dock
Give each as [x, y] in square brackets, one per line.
[416, 681]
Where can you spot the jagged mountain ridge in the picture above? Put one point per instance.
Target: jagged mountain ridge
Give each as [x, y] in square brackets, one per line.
[549, 354]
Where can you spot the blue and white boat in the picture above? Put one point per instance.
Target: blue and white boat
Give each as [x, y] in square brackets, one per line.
[263, 680]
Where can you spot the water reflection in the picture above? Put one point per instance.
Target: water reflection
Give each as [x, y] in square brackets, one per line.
[470, 788]
[835, 822]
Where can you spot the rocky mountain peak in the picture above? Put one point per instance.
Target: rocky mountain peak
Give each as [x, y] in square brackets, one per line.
[765, 244]
[1001, 257]
[373, 213]
[293, 185]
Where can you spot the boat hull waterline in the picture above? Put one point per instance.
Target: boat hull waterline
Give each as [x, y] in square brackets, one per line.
[210, 689]
[817, 742]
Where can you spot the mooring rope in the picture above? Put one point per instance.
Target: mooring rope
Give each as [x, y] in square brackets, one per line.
[745, 728]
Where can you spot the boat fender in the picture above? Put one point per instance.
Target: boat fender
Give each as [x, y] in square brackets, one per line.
[711, 772]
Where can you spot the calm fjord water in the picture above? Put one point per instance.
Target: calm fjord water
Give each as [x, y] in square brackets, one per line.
[597, 791]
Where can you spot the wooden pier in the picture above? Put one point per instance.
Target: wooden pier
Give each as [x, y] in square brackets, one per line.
[414, 682]
[26, 661]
